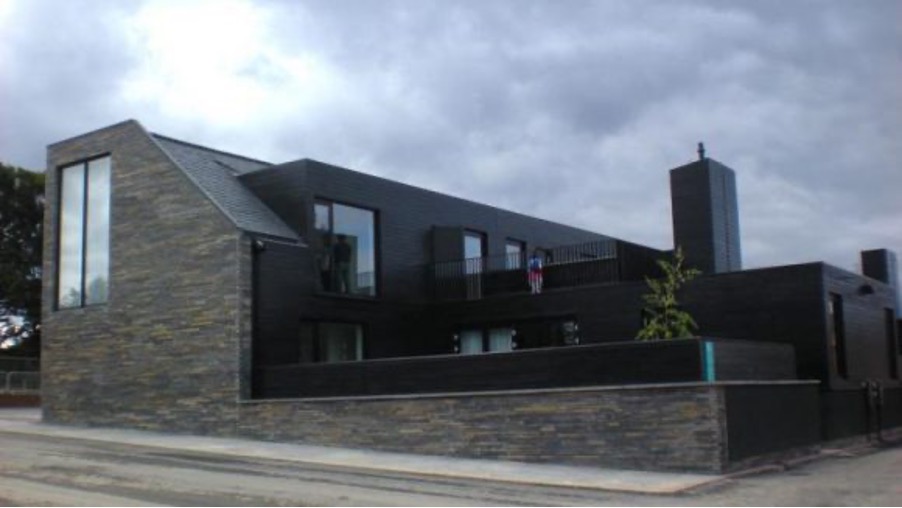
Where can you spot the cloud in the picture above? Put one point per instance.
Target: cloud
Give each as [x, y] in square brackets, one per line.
[572, 111]
[61, 66]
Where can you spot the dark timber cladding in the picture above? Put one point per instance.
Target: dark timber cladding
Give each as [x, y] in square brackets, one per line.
[414, 228]
[706, 215]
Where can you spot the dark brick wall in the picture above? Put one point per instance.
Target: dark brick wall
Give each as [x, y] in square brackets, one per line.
[706, 215]
[396, 323]
[767, 418]
[753, 360]
[554, 367]
[166, 352]
[867, 342]
[589, 365]
[784, 304]
[406, 216]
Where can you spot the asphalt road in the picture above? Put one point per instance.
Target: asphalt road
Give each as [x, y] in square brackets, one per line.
[44, 470]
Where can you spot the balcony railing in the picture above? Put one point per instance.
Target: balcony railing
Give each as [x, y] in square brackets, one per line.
[565, 266]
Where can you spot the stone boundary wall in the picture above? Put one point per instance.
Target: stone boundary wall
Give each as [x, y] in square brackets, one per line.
[676, 427]
[666, 427]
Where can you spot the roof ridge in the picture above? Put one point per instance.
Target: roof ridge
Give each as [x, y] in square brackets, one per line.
[207, 148]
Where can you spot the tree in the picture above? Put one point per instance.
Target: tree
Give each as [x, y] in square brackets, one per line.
[21, 239]
[665, 318]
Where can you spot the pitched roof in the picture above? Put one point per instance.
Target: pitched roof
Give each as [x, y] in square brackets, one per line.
[216, 174]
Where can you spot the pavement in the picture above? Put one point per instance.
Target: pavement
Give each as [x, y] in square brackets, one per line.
[28, 421]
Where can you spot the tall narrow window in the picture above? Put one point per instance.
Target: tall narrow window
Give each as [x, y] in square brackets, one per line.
[891, 351]
[514, 252]
[474, 259]
[474, 247]
[84, 234]
[347, 248]
[838, 335]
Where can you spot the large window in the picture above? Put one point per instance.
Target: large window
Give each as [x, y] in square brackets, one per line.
[84, 234]
[838, 335]
[323, 342]
[346, 257]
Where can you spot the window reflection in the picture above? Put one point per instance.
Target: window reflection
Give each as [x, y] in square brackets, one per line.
[84, 237]
[97, 240]
[71, 227]
[347, 248]
[514, 252]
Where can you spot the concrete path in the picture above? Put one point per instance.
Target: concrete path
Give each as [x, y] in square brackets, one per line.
[27, 421]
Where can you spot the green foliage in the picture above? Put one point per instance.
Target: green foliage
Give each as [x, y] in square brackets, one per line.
[21, 240]
[665, 319]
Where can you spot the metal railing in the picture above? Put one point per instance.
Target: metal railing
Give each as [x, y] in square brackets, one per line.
[20, 381]
[564, 266]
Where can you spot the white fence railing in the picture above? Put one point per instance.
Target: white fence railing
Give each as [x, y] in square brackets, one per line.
[20, 381]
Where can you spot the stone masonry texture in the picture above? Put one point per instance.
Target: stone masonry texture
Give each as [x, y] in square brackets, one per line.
[164, 352]
[655, 428]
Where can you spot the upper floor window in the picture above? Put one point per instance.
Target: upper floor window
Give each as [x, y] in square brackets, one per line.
[346, 237]
[84, 234]
[514, 254]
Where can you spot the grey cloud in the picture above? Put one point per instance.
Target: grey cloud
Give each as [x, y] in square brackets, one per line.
[572, 111]
[66, 64]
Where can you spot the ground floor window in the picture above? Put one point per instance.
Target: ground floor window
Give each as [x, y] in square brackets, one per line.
[327, 342]
[485, 340]
[527, 334]
[346, 248]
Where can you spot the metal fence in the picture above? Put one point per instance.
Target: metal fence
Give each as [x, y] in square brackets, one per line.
[20, 381]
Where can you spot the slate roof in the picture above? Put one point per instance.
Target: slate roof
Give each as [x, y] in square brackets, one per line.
[216, 174]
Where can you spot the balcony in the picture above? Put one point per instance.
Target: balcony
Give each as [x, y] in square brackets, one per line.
[601, 262]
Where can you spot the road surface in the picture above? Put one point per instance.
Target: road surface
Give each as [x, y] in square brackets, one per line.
[48, 470]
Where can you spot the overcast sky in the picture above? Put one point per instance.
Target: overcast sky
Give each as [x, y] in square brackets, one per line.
[571, 111]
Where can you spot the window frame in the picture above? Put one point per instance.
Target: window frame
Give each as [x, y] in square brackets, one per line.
[485, 335]
[377, 244]
[521, 260]
[836, 321]
[84, 163]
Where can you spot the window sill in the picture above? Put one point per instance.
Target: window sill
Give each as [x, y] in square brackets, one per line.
[81, 307]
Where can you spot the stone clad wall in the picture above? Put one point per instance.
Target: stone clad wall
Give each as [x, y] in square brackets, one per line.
[659, 427]
[164, 352]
